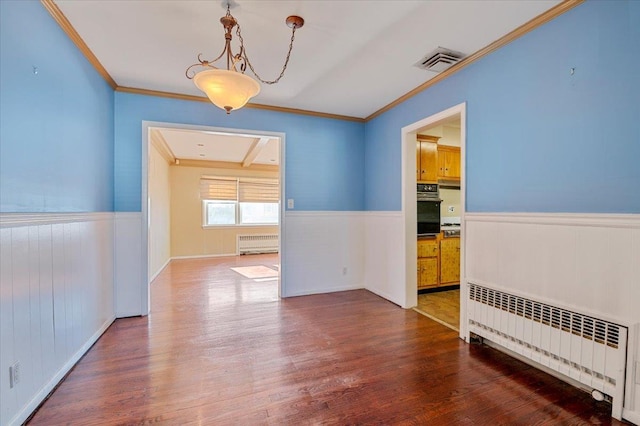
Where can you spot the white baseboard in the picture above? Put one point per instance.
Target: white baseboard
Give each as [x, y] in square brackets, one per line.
[39, 397]
[154, 276]
[327, 290]
[632, 416]
[203, 256]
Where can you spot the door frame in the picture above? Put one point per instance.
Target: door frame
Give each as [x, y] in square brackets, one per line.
[408, 137]
[146, 142]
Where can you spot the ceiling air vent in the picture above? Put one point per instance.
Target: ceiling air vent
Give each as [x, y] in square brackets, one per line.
[439, 60]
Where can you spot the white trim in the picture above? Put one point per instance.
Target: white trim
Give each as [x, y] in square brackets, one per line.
[12, 220]
[626, 220]
[325, 213]
[159, 271]
[203, 256]
[409, 201]
[632, 416]
[387, 296]
[327, 290]
[383, 214]
[39, 397]
[146, 141]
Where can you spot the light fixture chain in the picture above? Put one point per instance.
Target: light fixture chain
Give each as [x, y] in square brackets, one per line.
[246, 58]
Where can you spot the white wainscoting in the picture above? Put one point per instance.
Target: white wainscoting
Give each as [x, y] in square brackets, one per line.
[385, 254]
[132, 296]
[588, 263]
[56, 299]
[318, 246]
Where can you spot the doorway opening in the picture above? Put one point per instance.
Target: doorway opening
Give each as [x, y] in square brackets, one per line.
[434, 155]
[213, 193]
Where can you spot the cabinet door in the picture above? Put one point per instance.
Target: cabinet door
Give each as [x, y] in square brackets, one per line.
[452, 164]
[417, 160]
[428, 162]
[428, 248]
[427, 272]
[449, 162]
[450, 260]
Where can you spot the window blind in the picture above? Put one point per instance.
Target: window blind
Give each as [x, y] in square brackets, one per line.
[258, 191]
[242, 189]
[218, 189]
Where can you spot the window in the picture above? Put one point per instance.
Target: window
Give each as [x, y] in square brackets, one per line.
[239, 201]
[259, 213]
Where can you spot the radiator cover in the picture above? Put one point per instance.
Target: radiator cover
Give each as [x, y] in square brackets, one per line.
[258, 243]
[586, 349]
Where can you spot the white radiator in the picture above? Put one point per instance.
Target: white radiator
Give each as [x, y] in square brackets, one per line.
[586, 349]
[258, 243]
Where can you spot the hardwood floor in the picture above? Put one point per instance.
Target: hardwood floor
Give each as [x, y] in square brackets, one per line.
[442, 306]
[220, 348]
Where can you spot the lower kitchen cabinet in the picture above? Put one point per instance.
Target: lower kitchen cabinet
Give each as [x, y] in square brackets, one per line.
[450, 261]
[438, 262]
[428, 251]
[427, 272]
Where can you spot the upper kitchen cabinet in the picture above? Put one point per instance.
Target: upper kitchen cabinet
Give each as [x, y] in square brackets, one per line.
[427, 158]
[448, 162]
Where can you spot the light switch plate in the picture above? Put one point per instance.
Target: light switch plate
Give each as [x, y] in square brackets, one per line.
[290, 203]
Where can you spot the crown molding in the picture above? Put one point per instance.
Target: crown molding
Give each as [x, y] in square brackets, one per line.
[531, 25]
[71, 32]
[534, 23]
[172, 95]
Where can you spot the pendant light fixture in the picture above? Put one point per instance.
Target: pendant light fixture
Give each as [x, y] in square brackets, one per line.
[230, 88]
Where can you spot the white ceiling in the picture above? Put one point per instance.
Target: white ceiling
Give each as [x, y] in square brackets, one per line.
[245, 149]
[352, 57]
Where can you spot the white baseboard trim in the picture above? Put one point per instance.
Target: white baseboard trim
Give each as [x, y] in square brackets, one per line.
[203, 256]
[327, 290]
[154, 276]
[39, 397]
[632, 416]
[386, 296]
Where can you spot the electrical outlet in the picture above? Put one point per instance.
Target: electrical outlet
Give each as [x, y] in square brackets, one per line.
[345, 270]
[452, 209]
[14, 374]
[290, 203]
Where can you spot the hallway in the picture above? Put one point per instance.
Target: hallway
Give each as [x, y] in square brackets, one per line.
[221, 348]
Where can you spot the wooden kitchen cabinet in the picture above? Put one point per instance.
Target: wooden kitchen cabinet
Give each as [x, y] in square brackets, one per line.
[426, 158]
[427, 272]
[448, 162]
[428, 252]
[450, 261]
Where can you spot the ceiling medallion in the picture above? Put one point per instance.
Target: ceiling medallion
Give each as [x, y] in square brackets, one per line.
[230, 88]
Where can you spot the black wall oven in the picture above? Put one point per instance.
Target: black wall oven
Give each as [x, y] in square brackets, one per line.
[428, 199]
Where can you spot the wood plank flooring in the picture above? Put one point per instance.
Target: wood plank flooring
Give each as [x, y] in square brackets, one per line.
[221, 349]
[442, 305]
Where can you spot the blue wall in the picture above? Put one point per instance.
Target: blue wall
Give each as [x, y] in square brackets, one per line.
[56, 126]
[324, 157]
[538, 138]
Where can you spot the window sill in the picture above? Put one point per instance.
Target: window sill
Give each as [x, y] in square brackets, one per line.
[252, 225]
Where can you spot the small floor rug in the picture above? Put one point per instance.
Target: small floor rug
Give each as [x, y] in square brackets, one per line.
[254, 272]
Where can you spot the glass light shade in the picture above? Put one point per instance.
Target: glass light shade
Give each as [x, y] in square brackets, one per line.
[227, 89]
